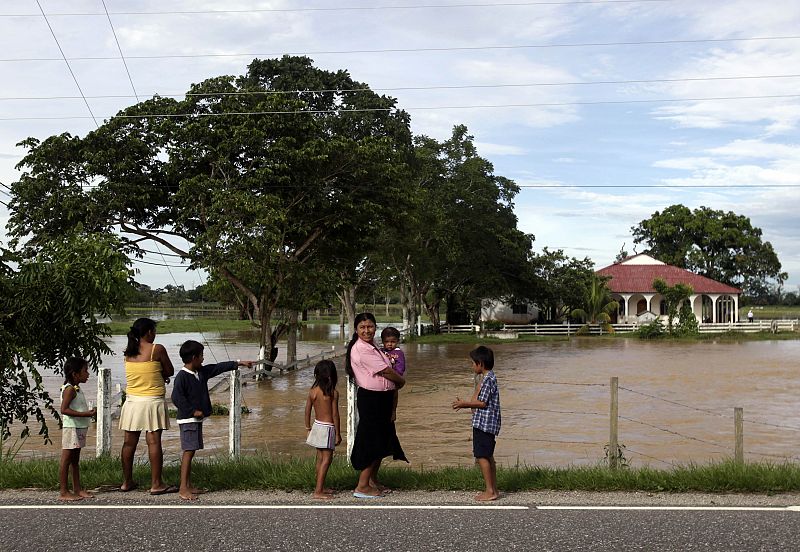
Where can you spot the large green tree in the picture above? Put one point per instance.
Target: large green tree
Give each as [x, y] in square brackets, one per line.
[559, 283]
[265, 180]
[721, 245]
[457, 239]
[52, 297]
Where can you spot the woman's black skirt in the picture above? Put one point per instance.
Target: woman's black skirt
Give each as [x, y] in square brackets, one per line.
[376, 437]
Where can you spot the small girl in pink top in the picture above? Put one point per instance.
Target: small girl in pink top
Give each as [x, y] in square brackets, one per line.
[390, 337]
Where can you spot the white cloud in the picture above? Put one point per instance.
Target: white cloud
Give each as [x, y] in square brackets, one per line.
[487, 148]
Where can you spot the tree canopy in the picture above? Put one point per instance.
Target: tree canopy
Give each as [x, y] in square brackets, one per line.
[720, 245]
[51, 300]
[259, 175]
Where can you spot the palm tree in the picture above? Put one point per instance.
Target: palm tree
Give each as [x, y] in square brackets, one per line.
[598, 306]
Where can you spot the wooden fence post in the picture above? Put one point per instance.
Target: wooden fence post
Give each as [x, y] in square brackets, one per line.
[235, 415]
[103, 446]
[613, 436]
[352, 416]
[738, 422]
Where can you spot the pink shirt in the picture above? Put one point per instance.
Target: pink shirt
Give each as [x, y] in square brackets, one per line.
[367, 361]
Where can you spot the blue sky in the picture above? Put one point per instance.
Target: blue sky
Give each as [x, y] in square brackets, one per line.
[570, 117]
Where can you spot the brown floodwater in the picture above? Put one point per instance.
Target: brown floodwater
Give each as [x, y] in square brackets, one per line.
[676, 401]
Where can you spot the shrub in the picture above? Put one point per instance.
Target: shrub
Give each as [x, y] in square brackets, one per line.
[493, 325]
[653, 330]
[687, 321]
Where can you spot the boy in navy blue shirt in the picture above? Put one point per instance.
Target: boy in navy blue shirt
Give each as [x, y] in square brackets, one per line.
[485, 405]
[190, 397]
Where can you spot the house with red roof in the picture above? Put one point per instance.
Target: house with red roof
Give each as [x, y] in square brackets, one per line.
[631, 285]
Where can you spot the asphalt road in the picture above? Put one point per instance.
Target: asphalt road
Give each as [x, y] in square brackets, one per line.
[350, 526]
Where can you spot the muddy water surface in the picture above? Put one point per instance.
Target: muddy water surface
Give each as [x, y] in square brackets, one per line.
[676, 401]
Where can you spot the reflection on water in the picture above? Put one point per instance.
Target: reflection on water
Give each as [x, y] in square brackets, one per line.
[676, 401]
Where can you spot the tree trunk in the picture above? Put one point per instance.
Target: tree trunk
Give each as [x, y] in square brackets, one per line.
[433, 313]
[291, 337]
[347, 296]
[266, 346]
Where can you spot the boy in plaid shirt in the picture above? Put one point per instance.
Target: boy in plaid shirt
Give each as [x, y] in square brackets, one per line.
[485, 405]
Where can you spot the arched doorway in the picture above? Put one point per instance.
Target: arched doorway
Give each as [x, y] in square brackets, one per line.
[726, 311]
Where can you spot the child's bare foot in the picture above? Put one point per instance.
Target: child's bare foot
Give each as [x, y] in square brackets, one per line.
[486, 496]
[69, 497]
[84, 494]
[186, 495]
[322, 496]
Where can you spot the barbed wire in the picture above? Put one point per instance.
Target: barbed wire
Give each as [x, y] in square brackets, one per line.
[555, 441]
[563, 383]
[707, 411]
[781, 456]
[627, 449]
[665, 430]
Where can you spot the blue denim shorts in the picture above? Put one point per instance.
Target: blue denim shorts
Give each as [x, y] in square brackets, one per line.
[191, 436]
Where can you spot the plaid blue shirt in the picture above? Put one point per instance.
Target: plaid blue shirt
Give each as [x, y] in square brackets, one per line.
[488, 419]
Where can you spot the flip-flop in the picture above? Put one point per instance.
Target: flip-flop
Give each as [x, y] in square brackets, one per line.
[166, 490]
[365, 495]
[129, 489]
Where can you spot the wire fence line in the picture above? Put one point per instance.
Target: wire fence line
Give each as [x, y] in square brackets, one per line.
[517, 411]
[710, 412]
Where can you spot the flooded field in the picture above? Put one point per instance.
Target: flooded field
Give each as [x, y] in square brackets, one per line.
[676, 401]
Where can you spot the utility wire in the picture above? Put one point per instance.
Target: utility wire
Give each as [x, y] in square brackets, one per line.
[69, 67]
[401, 88]
[429, 49]
[199, 329]
[415, 108]
[121, 55]
[352, 8]
[157, 264]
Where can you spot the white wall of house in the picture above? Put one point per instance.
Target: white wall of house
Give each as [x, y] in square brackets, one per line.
[495, 309]
[724, 308]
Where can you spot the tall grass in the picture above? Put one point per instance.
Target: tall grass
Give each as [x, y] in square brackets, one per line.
[262, 472]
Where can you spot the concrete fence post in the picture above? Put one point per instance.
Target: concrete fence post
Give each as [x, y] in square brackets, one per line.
[738, 423]
[103, 446]
[352, 416]
[235, 415]
[613, 435]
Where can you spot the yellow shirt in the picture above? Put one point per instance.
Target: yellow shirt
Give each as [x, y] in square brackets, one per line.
[145, 378]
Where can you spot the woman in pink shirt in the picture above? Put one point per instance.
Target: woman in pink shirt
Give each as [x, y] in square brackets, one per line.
[375, 437]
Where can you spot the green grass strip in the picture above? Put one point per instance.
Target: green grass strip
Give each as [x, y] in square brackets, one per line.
[262, 473]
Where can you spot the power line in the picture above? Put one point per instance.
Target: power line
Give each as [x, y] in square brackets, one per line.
[121, 55]
[430, 49]
[64, 57]
[404, 88]
[414, 108]
[350, 8]
[158, 264]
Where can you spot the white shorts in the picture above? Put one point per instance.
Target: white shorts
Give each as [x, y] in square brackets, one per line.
[322, 435]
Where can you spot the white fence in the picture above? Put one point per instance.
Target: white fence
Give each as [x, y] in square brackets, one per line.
[774, 326]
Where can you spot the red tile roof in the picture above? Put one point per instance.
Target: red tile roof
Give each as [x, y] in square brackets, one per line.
[634, 278]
